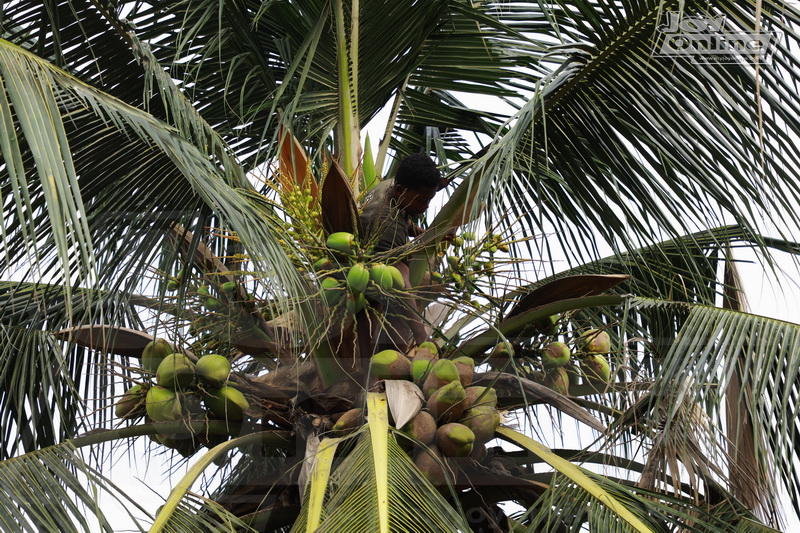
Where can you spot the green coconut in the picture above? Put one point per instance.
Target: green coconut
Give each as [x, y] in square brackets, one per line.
[547, 326]
[356, 303]
[229, 287]
[342, 241]
[176, 371]
[212, 304]
[555, 354]
[573, 374]
[421, 428]
[455, 440]
[357, 278]
[349, 421]
[483, 421]
[595, 341]
[466, 369]
[380, 275]
[500, 355]
[132, 403]
[163, 404]
[596, 371]
[481, 396]
[420, 369]
[154, 353]
[398, 282]
[557, 379]
[443, 372]
[479, 451]
[213, 370]
[184, 446]
[390, 364]
[433, 467]
[430, 346]
[448, 403]
[322, 264]
[332, 291]
[226, 402]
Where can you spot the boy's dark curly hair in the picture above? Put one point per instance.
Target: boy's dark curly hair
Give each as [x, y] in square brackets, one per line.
[418, 170]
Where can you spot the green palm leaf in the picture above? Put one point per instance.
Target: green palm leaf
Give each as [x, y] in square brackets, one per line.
[52, 489]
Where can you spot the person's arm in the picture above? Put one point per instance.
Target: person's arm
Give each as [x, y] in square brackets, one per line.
[414, 230]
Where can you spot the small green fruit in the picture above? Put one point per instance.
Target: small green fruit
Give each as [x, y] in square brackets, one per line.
[381, 276]
[322, 264]
[342, 242]
[595, 341]
[398, 282]
[558, 380]
[481, 396]
[430, 346]
[455, 440]
[390, 364]
[500, 355]
[154, 353]
[213, 369]
[176, 371]
[356, 303]
[349, 421]
[555, 354]
[448, 403]
[212, 304]
[443, 372]
[547, 326]
[420, 369]
[357, 278]
[163, 404]
[229, 287]
[596, 371]
[226, 402]
[483, 421]
[421, 428]
[332, 291]
[466, 369]
[132, 403]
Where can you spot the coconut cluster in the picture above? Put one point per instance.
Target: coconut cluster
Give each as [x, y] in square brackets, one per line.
[457, 420]
[348, 276]
[176, 388]
[592, 368]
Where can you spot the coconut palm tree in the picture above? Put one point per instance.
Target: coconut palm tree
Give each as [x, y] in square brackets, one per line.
[173, 173]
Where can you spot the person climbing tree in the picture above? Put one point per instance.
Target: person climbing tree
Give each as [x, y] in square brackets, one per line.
[388, 222]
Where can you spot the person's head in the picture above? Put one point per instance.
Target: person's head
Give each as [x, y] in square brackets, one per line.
[415, 183]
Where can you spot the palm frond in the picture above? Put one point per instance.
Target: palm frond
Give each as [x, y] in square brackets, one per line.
[566, 503]
[52, 489]
[698, 369]
[636, 149]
